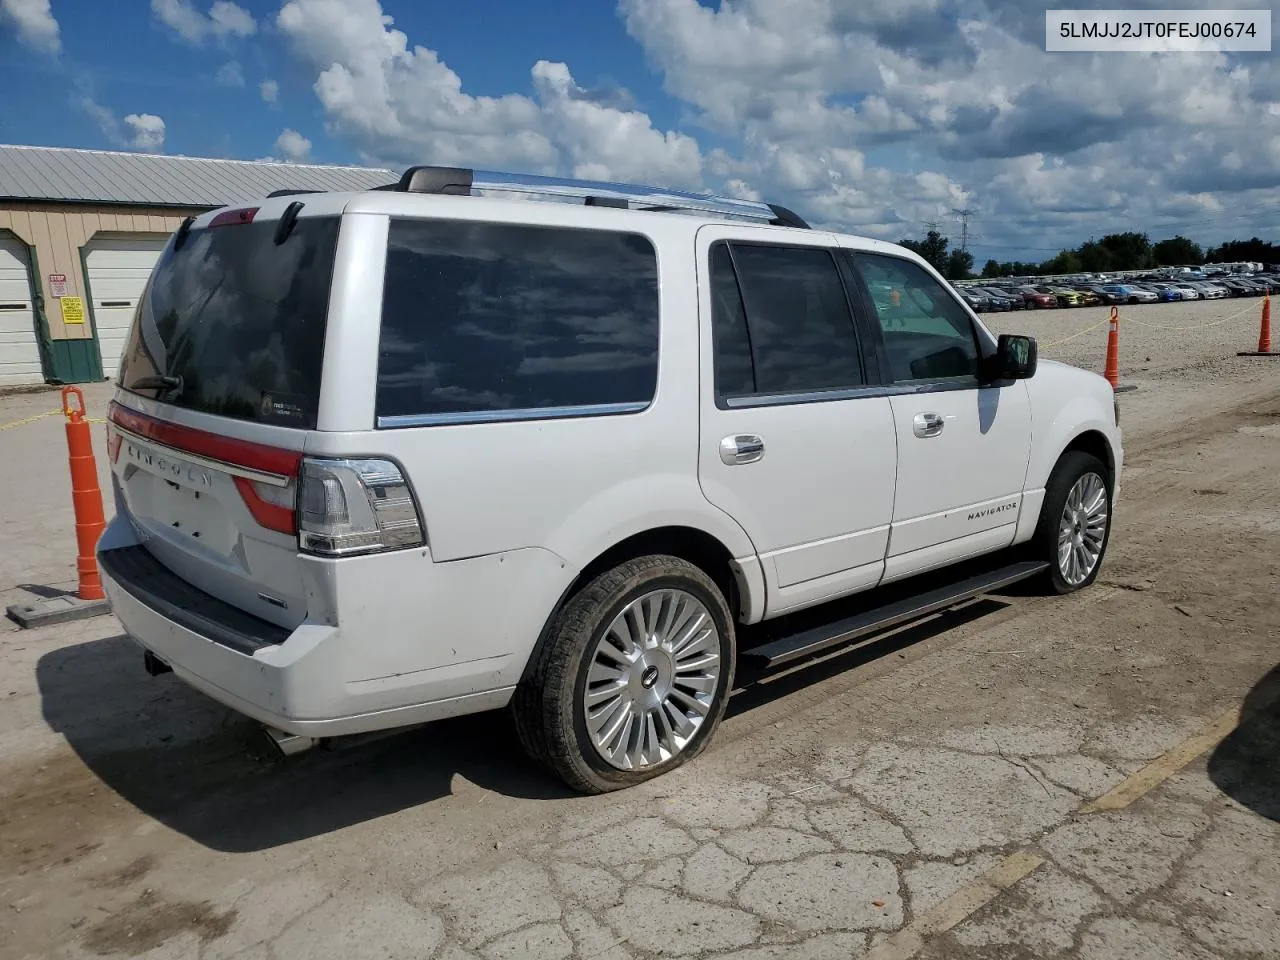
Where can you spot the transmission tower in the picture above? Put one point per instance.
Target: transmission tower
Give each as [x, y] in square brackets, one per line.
[964, 216]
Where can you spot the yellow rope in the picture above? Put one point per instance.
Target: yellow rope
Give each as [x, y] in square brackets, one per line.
[1192, 326]
[1078, 333]
[1154, 326]
[38, 416]
[41, 416]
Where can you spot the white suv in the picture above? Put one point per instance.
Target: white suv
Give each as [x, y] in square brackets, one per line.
[387, 457]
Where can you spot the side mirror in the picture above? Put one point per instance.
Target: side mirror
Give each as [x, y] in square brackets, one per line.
[1015, 358]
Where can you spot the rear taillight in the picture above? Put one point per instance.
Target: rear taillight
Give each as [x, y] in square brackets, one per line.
[113, 442]
[349, 507]
[271, 504]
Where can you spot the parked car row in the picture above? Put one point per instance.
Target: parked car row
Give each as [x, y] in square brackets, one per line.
[996, 298]
[1216, 289]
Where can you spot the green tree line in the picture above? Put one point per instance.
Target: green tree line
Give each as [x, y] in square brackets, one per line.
[1134, 251]
[952, 264]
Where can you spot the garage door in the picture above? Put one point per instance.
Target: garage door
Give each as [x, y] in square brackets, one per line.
[19, 352]
[118, 271]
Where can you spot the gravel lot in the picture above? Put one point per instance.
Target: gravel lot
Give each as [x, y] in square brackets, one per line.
[926, 794]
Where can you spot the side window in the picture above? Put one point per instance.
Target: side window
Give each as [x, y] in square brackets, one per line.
[801, 331]
[481, 318]
[731, 344]
[927, 335]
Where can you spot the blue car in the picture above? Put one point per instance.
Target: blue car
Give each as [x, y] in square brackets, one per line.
[1167, 292]
[1131, 293]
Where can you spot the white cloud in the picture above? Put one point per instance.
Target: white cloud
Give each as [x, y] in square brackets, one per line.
[230, 74]
[293, 146]
[224, 21]
[960, 99]
[402, 104]
[145, 130]
[33, 20]
[229, 20]
[148, 131]
[103, 117]
[600, 141]
[270, 91]
[874, 118]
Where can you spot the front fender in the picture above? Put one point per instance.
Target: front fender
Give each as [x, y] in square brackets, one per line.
[1065, 403]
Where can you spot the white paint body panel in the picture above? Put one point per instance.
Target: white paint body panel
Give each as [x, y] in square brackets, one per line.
[19, 349]
[514, 511]
[117, 269]
[817, 505]
[967, 480]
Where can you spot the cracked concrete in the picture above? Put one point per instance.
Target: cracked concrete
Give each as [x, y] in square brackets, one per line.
[828, 816]
[827, 892]
[942, 821]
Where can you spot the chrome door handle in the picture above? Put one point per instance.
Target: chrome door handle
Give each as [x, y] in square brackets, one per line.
[741, 448]
[928, 425]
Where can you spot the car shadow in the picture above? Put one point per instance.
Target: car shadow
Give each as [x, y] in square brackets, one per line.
[209, 773]
[1246, 764]
[45, 592]
[756, 688]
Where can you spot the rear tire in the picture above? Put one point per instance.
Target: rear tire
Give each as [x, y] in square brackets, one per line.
[632, 676]
[1075, 522]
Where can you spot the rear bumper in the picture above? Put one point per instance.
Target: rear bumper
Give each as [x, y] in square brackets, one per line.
[294, 680]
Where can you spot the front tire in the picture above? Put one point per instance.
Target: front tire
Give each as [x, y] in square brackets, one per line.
[1075, 522]
[632, 677]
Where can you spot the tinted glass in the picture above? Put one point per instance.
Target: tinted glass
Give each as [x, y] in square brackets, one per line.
[240, 320]
[927, 335]
[481, 318]
[802, 332]
[735, 374]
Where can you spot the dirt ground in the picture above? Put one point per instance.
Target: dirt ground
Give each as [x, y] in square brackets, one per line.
[929, 793]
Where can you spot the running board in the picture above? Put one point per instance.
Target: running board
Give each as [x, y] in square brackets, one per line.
[812, 641]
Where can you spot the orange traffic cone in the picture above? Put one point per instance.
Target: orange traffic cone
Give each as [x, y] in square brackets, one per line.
[86, 497]
[1112, 371]
[1264, 333]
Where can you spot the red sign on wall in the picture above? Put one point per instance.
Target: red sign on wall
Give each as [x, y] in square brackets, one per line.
[58, 285]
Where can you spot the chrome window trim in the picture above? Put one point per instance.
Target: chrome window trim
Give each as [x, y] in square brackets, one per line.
[510, 416]
[744, 402]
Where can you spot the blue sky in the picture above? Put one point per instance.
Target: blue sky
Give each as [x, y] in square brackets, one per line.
[875, 118]
[126, 58]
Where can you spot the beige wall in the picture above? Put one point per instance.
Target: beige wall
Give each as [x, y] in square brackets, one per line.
[59, 231]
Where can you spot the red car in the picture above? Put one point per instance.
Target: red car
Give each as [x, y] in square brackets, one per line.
[1034, 298]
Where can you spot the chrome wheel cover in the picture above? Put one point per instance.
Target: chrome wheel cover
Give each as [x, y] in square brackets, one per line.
[1082, 529]
[651, 679]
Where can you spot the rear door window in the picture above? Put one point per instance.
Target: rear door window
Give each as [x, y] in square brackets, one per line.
[781, 321]
[238, 322]
[485, 321]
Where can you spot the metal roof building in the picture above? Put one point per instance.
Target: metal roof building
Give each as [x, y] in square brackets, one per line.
[81, 229]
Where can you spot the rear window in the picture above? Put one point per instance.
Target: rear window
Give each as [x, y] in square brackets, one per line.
[239, 320]
[485, 321]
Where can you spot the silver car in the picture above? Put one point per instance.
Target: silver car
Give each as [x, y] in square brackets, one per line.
[1211, 291]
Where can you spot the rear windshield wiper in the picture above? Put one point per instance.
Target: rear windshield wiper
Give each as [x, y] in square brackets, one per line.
[163, 383]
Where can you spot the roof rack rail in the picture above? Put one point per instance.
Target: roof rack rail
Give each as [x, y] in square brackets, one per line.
[289, 193]
[464, 182]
